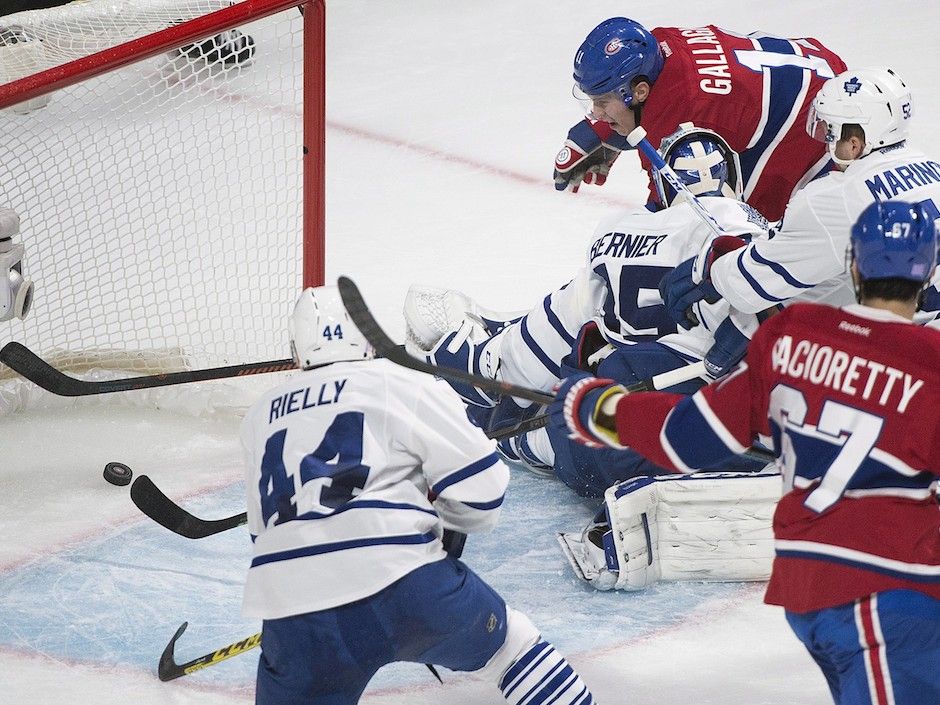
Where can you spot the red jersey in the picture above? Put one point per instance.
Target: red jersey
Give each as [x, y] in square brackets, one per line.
[755, 91]
[849, 397]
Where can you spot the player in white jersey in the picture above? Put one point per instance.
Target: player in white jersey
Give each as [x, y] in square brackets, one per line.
[355, 471]
[16, 291]
[613, 300]
[864, 116]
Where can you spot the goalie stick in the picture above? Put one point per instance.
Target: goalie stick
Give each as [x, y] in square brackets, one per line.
[29, 365]
[151, 501]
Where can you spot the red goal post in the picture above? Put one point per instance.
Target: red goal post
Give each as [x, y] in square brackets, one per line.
[169, 177]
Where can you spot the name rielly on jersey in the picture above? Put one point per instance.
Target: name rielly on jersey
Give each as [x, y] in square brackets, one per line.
[305, 398]
[891, 182]
[849, 374]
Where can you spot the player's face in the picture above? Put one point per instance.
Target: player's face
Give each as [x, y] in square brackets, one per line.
[611, 108]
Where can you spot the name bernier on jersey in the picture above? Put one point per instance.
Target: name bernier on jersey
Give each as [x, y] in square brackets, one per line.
[849, 374]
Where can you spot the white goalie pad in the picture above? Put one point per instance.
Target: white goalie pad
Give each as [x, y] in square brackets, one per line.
[431, 313]
[701, 527]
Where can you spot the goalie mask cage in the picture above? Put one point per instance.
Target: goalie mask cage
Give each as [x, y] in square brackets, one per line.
[166, 160]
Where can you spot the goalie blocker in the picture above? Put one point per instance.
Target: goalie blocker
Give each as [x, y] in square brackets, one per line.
[705, 527]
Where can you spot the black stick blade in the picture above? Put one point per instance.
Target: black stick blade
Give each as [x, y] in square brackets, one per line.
[385, 347]
[167, 513]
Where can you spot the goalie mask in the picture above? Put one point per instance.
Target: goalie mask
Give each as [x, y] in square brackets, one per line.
[703, 161]
[322, 332]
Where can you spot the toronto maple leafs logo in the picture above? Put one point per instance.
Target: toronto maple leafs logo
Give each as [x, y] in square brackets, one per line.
[852, 86]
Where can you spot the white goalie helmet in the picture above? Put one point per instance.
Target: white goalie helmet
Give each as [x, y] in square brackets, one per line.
[321, 331]
[703, 161]
[874, 98]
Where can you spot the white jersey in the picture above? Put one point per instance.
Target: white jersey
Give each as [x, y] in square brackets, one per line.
[806, 258]
[619, 288]
[340, 463]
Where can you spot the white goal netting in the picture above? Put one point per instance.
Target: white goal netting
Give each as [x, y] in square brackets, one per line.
[161, 203]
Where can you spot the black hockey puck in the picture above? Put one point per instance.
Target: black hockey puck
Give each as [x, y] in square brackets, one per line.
[118, 474]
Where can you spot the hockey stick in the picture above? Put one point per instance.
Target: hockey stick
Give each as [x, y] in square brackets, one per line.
[385, 347]
[167, 513]
[660, 381]
[29, 365]
[168, 669]
[637, 138]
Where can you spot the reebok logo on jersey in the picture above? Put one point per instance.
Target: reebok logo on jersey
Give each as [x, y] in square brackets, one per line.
[854, 328]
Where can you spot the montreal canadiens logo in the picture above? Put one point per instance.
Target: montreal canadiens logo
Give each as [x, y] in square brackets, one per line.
[613, 46]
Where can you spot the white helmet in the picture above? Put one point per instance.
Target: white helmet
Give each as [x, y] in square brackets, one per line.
[874, 98]
[322, 332]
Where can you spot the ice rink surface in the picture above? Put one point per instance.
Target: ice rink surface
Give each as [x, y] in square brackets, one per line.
[444, 119]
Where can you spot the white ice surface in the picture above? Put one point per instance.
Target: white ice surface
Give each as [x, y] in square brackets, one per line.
[443, 121]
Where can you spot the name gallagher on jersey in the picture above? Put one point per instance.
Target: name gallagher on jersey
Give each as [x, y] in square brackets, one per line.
[711, 61]
[849, 374]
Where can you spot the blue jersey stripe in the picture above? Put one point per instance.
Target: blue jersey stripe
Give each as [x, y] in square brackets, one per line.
[536, 350]
[786, 83]
[779, 269]
[363, 504]
[485, 506]
[692, 437]
[862, 565]
[465, 472]
[556, 322]
[319, 549]
[758, 289]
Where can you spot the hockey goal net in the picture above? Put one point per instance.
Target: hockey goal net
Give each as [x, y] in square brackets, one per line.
[155, 151]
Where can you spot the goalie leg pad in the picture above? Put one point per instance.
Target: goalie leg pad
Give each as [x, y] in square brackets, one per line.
[704, 527]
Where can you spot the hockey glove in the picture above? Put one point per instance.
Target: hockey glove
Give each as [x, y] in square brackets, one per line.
[690, 282]
[585, 406]
[587, 155]
[590, 349]
[460, 351]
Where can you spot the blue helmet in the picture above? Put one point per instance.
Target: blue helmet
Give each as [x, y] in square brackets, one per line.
[614, 53]
[894, 240]
[702, 160]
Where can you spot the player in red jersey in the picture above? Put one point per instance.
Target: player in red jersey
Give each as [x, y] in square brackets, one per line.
[849, 397]
[754, 90]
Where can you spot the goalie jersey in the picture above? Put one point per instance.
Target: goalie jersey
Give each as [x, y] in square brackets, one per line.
[754, 90]
[619, 288]
[849, 397]
[353, 470]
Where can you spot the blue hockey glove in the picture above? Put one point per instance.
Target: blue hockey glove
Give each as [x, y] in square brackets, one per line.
[587, 155]
[727, 351]
[690, 282]
[459, 351]
[580, 410]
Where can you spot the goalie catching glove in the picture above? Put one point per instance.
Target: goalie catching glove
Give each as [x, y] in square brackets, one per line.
[587, 155]
[585, 407]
